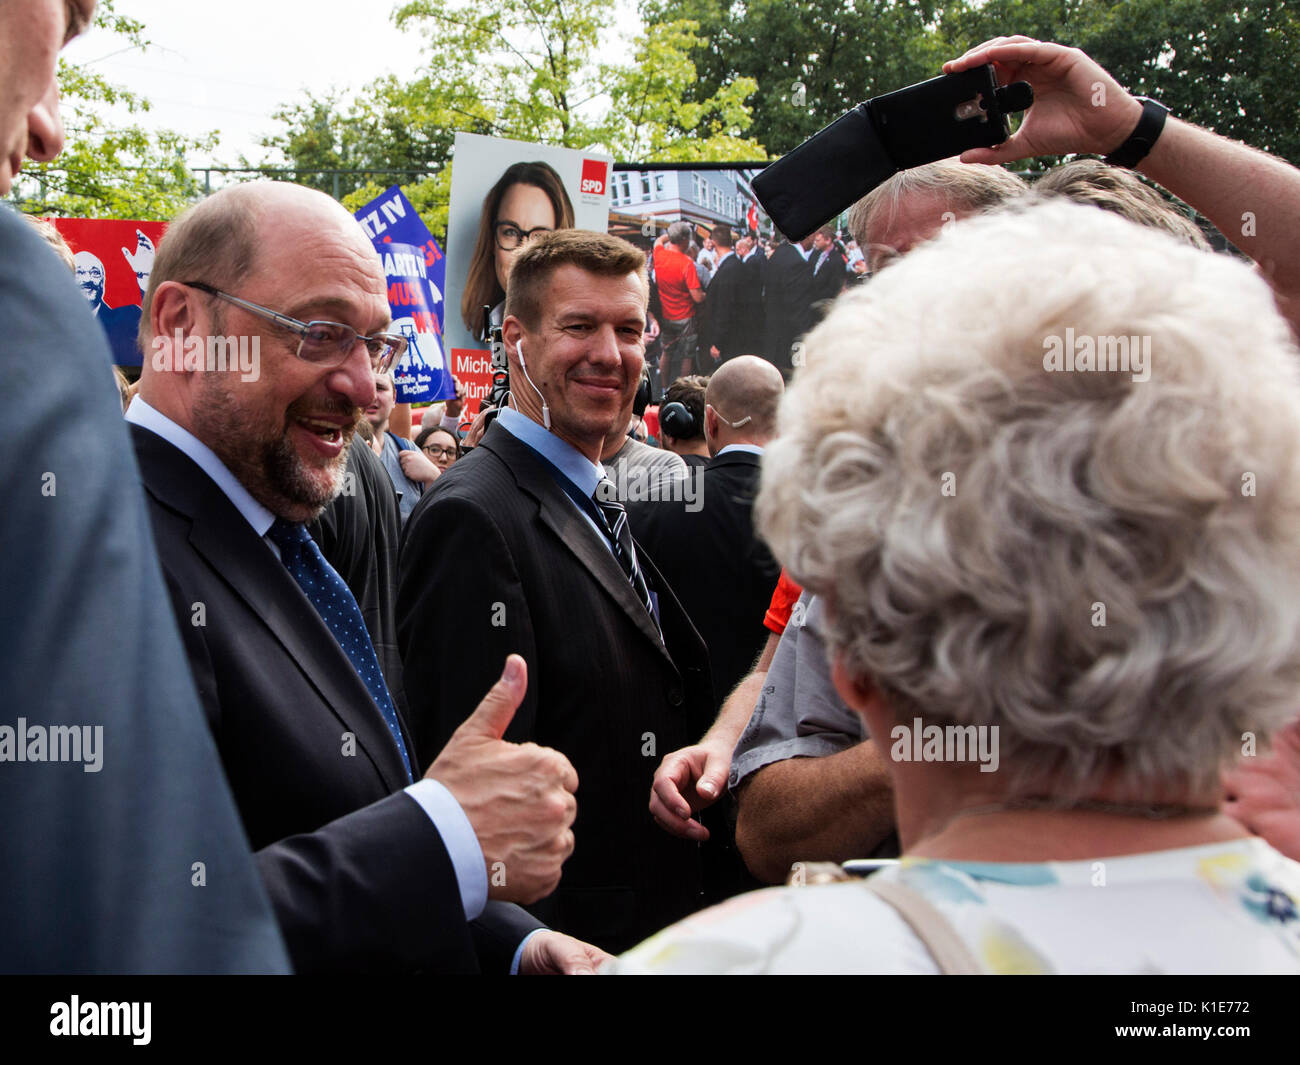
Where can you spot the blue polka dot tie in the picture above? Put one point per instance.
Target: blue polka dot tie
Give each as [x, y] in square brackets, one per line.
[338, 608]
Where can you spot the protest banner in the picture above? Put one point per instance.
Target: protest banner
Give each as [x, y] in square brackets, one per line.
[113, 259]
[415, 269]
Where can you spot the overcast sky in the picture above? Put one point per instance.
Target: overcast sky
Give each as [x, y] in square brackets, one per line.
[227, 66]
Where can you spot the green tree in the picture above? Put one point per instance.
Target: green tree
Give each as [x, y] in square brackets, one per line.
[654, 114]
[812, 59]
[523, 69]
[1221, 64]
[526, 71]
[108, 169]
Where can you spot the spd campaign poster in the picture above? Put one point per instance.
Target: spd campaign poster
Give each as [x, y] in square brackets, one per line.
[113, 259]
[502, 193]
[416, 271]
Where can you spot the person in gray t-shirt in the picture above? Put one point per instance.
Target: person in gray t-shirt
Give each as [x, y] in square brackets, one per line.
[790, 807]
[408, 468]
[799, 713]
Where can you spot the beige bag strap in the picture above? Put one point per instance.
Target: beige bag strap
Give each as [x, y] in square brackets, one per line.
[931, 927]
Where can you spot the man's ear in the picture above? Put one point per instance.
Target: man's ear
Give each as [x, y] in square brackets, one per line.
[512, 329]
[710, 426]
[172, 311]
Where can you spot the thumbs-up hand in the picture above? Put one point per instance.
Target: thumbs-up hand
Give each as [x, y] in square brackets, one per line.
[518, 797]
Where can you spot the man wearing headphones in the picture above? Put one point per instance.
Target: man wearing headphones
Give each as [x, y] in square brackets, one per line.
[681, 420]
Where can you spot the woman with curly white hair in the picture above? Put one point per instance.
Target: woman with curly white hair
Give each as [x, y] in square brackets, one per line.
[1046, 473]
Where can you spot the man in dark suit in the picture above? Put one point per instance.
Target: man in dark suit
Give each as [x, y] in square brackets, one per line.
[830, 265]
[708, 551]
[788, 297]
[723, 327]
[753, 262]
[121, 850]
[365, 869]
[520, 548]
[724, 575]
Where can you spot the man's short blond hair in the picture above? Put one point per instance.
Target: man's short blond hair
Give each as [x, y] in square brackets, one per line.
[597, 253]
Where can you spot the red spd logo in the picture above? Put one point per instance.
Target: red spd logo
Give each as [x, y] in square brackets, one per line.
[593, 176]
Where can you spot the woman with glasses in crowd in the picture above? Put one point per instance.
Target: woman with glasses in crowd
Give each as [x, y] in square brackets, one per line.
[439, 445]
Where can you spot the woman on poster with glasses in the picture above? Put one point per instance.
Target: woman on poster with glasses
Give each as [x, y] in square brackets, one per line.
[528, 199]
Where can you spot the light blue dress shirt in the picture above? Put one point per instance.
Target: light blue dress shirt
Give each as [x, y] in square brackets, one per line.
[566, 458]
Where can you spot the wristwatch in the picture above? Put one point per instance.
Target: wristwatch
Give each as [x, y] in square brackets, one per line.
[1143, 137]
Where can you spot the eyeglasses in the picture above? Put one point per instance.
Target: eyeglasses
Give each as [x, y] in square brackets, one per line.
[322, 343]
[437, 452]
[510, 236]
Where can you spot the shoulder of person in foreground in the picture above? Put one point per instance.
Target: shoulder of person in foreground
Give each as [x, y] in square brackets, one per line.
[824, 928]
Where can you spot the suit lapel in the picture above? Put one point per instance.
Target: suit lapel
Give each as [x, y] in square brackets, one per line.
[225, 540]
[560, 514]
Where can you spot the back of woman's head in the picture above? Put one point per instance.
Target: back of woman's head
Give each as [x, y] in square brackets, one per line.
[1104, 562]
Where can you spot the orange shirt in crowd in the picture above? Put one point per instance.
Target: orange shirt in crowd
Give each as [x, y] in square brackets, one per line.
[783, 599]
[675, 275]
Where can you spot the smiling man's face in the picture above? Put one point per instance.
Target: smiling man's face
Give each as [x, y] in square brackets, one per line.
[31, 34]
[285, 435]
[585, 355]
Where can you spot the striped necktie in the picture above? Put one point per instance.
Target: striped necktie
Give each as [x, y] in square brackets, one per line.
[337, 606]
[620, 535]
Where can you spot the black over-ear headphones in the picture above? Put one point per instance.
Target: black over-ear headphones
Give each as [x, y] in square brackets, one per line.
[678, 422]
[643, 396]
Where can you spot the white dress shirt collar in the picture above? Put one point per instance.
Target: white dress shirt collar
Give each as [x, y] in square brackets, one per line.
[145, 416]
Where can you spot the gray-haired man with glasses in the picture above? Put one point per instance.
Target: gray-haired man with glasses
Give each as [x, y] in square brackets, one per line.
[370, 861]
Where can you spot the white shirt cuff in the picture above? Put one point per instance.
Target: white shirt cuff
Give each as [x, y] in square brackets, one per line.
[459, 839]
[450, 424]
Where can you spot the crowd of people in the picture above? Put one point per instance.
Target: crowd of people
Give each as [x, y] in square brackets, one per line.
[740, 295]
[998, 597]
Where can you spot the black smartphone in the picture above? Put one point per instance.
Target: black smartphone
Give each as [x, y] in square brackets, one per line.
[840, 164]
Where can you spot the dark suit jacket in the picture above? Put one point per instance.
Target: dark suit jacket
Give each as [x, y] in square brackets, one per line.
[724, 576]
[724, 326]
[788, 296]
[721, 570]
[752, 327]
[830, 277]
[357, 874]
[498, 559]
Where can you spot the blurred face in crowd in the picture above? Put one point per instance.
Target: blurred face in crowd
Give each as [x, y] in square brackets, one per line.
[743, 246]
[585, 355]
[918, 218]
[524, 208]
[440, 446]
[31, 34]
[378, 412]
[821, 242]
[90, 276]
[285, 435]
